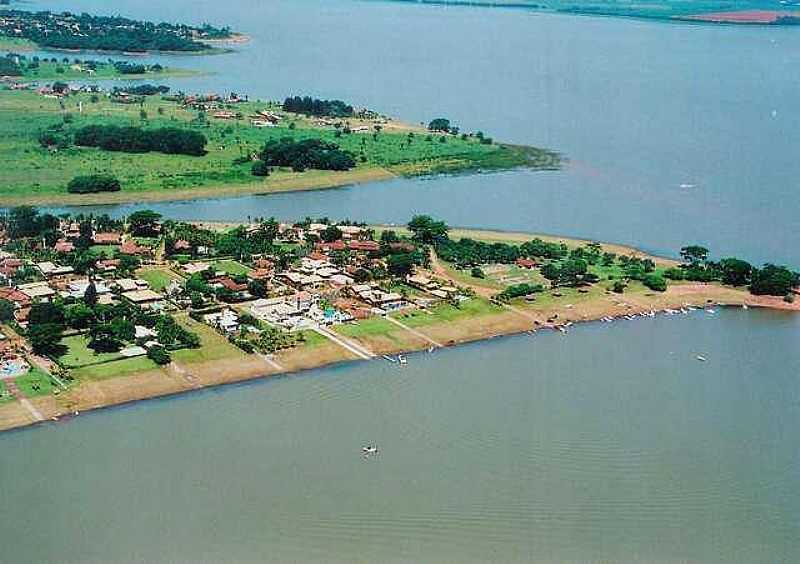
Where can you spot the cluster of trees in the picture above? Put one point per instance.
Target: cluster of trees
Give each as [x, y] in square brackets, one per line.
[169, 140]
[101, 33]
[518, 291]
[442, 125]
[316, 107]
[468, 252]
[93, 183]
[9, 66]
[124, 67]
[141, 90]
[302, 155]
[770, 280]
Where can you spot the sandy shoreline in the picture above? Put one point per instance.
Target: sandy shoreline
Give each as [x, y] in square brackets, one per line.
[159, 383]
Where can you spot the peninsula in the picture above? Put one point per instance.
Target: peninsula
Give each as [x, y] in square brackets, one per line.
[18, 67]
[49, 30]
[98, 311]
[219, 145]
[744, 12]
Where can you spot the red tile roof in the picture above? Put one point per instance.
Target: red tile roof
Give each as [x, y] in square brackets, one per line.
[110, 238]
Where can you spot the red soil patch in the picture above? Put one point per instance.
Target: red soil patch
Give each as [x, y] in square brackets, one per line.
[745, 16]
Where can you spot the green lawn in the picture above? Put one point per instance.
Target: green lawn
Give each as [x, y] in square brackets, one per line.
[5, 395]
[116, 369]
[214, 346]
[35, 377]
[312, 339]
[79, 354]
[367, 327]
[158, 279]
[27, 170]
[230, 267]
[443, 313]
[105, 251]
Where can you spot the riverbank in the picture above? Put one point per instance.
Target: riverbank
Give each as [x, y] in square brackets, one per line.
[218, 362]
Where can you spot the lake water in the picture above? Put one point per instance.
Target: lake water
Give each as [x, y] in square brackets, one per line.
[640, 108]
[613, 442]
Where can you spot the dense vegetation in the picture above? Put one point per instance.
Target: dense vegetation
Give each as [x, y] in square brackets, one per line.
[9, 66]
[93, 184]
[168, 140]
[102, 33]
[305, 154]
[578, 266]
[314, 107]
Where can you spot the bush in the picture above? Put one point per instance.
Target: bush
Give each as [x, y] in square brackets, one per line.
[655, 282]
[478, 273]
[159, 355]
[93, 184]
[619, 287]
[260, 168]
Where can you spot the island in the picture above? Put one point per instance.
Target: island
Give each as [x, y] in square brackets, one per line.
[49, 30]
[160, 145]
[748, 12]
[98, 311]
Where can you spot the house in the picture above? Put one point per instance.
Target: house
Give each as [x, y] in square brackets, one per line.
[364, 246]
[37, 291]
[525, 263]
[77, 288]
[131, 247]
[130, 285]
[107, 265]
[194, 267]
[232, 285]
[145, 299]
[51, 270]
[15, 296]
[182, 245]
[63, 246]
[109, 238]
[226, 320]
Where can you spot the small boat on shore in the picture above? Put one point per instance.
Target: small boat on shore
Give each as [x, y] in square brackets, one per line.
[402, 359]
[389, 358]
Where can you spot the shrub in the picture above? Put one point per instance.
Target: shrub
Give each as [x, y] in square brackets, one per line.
[93, 183]
[655, 282]
[159, 355]
[619, 287]
[260, 168]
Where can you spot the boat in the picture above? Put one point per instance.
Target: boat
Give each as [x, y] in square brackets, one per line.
[402, 359]
[431, 349]
[745, 306]
[369, 449]
[389, 358]
[701, 358]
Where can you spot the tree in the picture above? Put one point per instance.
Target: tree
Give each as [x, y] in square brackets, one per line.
[159, 355]
[94, 183]
[655, 282]
[90, 295]
[7, 310]
[735, 272]
[774, 280]
[439, 124]
[694, 254]
[79, 316]
[401, 265]
[43, 313]
[331, 233]
[427, 230]
[144, 223]
[45, 338]
[103, 338]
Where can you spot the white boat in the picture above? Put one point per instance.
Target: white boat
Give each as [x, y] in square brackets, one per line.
[744, 306]
[701, 358]
[389, 358]
[402, 359]
[369, 449]
[687, 186]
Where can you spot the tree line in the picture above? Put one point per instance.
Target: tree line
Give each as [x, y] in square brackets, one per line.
[316, 107]
[168, 140]
[302, 155]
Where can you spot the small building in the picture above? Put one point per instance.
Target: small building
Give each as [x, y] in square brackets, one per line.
[226, 321]
[37, 291]
[525, 263]
[145, 299]
[63, 246]
[107, 238]
[51, 270]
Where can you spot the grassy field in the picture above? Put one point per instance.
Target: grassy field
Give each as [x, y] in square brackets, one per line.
[366, 327]
[30, 173]
[5, 395]
[79, 354]
[17, 45]
[50, 71]
[230, 267]
[214, 346]
[35, 377]
[650, 9]
[157, 278]
[116, 369]
[446, 313]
